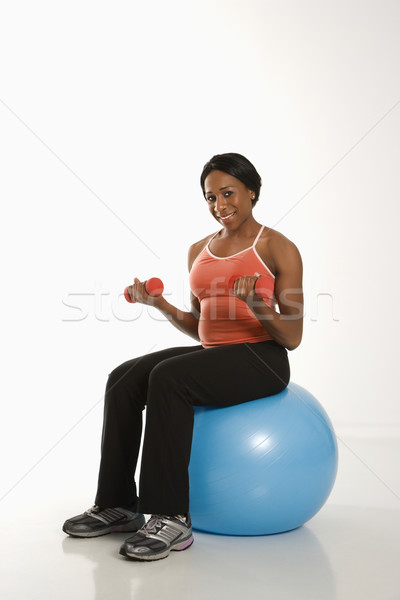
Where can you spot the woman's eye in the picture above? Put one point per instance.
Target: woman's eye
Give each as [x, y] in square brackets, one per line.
[212, 198]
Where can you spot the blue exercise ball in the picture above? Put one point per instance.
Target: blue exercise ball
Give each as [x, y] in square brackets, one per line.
[261, 467]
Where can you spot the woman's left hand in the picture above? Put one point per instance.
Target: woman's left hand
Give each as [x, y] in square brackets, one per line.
[244, 288]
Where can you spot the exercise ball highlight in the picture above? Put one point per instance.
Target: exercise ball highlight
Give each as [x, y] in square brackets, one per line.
[261, 467]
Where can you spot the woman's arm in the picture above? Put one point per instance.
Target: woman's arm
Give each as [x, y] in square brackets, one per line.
[285, 327]
[187, 322]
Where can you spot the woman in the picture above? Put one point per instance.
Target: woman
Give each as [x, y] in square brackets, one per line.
[242, 356]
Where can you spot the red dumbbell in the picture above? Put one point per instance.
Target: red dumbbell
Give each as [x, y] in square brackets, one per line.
[153, 286]
[262, 286]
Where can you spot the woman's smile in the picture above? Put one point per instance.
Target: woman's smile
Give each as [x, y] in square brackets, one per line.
[227, 217]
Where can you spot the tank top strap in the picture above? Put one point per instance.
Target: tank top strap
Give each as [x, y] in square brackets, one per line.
[258, 236]
[210, 240]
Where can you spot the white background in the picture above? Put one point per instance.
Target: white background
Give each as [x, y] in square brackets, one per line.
[108, 112]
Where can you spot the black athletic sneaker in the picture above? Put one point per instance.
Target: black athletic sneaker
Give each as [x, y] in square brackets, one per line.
[100, 521]
[158, 537]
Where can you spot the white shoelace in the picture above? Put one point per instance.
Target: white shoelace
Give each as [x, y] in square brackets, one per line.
[156, 521]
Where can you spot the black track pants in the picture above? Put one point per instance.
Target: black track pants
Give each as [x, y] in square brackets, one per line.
[169, 383]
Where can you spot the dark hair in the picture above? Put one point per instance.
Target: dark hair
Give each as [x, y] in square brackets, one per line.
[236, 165]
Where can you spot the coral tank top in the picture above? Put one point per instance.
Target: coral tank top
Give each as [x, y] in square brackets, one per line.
[224, 319]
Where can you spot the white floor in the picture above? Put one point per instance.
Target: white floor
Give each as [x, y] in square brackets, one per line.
[349, 551]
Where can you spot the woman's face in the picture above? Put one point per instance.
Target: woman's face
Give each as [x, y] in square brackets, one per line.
[229, 200]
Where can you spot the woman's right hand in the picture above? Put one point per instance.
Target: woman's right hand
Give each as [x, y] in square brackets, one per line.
[137, 293]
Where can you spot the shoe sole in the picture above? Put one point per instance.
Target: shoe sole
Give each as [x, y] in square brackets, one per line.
[178, 547]
[130, 527]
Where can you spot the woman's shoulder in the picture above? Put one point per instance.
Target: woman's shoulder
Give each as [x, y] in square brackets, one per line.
[275, 248]
[197, 247]
[274, 236]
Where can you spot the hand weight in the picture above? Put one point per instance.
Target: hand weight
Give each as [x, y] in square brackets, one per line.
[153, 286]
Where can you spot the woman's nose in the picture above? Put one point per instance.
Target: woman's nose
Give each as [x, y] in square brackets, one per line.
[220, 203]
